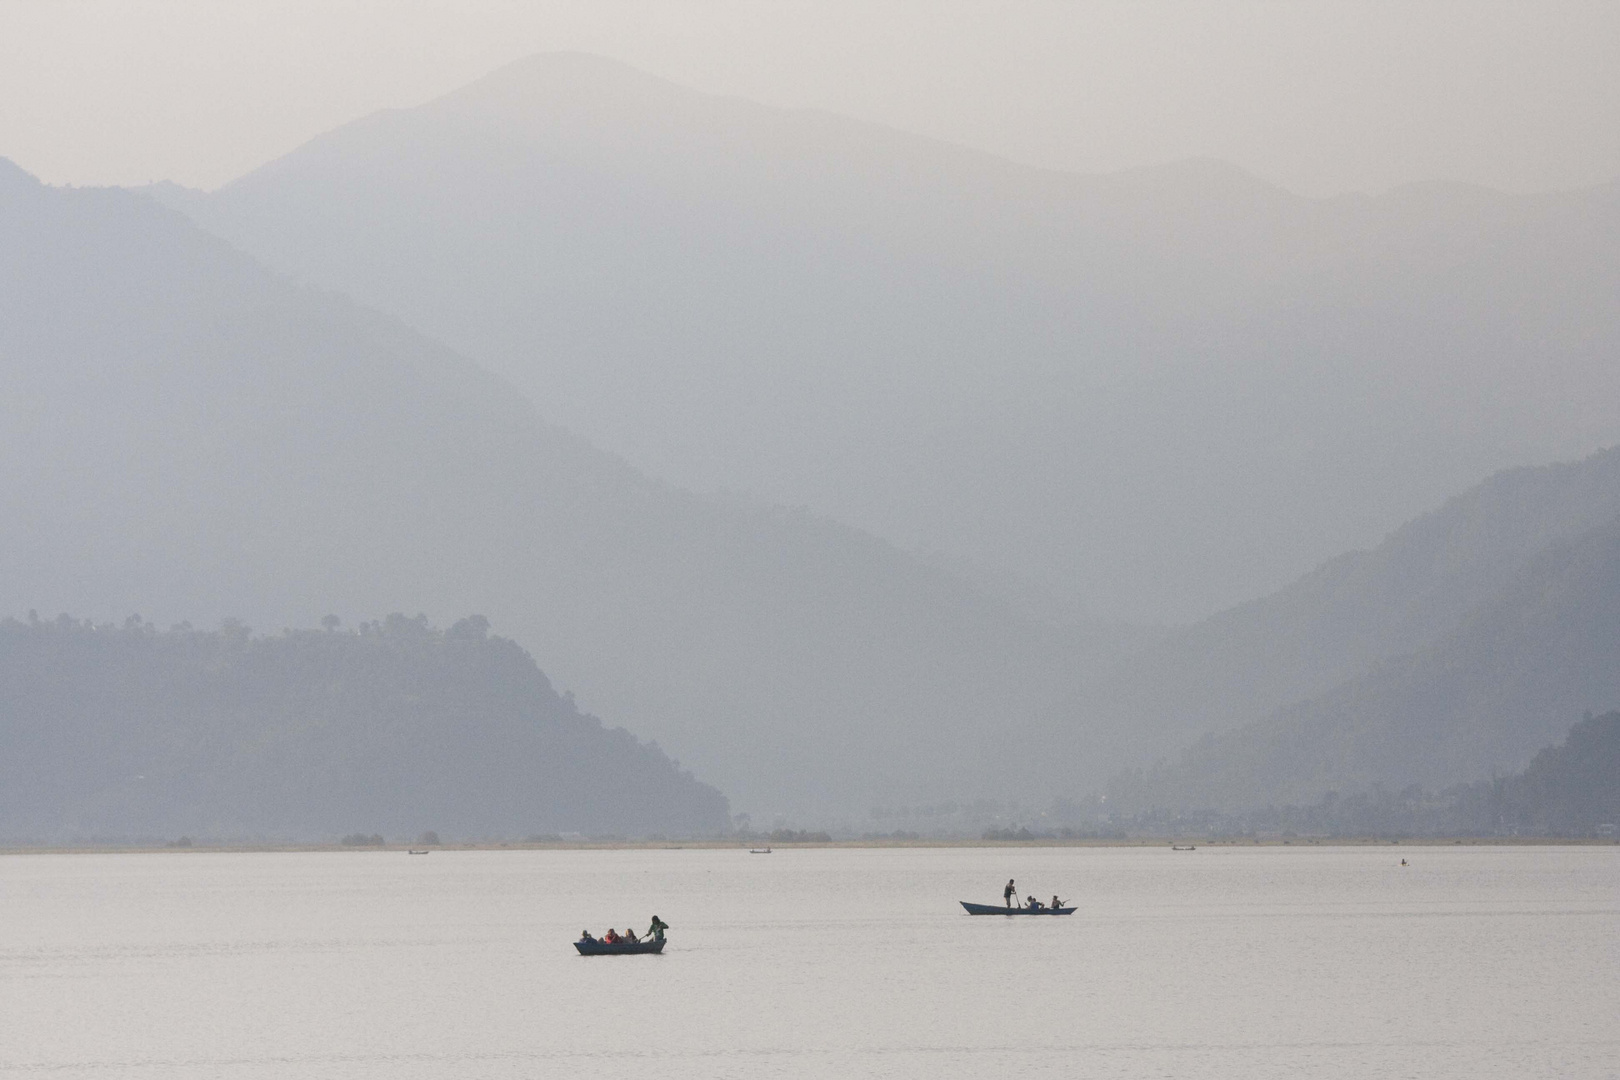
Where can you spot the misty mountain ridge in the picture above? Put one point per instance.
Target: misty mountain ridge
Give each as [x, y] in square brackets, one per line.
[199, 437]
[135, 733]
[1571, 789]
[1161, 391]
[200, 371]
[192, 437]
[1354, 612]
[1509, 600]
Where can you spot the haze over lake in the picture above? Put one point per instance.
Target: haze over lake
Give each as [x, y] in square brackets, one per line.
[1236, 963]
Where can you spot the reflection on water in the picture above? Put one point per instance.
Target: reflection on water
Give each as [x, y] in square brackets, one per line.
[1224, 962]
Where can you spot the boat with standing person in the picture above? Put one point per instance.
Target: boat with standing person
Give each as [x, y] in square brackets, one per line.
[613, 943]
[598, 947]
[1000, 909]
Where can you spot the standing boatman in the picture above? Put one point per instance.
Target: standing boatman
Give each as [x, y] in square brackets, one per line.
[1009, 892]
[656, 930]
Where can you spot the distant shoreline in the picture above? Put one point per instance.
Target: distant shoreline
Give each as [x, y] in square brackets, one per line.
[743, 847]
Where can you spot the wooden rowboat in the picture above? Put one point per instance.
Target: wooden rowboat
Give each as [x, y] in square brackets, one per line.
[998, 909]
[602, 948]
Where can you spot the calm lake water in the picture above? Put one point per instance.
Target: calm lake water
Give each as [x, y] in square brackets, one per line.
[1242, 963]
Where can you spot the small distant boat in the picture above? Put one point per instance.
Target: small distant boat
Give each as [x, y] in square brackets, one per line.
[1193, 847]
[603, 948]
[759, 851]
[413, 851]
[999, 909]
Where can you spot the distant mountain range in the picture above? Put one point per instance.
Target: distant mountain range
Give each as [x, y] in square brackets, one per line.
[1152, 394]
[1471, 638]
[130, 733]
[1355, 612]
[189, 437]
[1171, 385]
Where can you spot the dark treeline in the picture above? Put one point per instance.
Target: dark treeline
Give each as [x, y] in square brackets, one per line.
[128, 732]
[1569, 790]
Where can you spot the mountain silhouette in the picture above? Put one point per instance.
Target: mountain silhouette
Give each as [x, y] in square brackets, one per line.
[1154, 394]
[1498, 617]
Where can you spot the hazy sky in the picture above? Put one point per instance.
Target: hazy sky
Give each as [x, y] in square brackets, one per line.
[1320, 97]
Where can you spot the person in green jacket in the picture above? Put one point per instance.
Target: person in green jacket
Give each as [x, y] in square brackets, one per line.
[656, 930]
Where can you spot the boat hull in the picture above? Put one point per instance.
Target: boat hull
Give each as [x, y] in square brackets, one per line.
[997, 909]
[602, 948]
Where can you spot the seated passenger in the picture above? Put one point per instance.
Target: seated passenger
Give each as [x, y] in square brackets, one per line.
[611, 937]
[1056, 903]
[1034, 904]
[585, 935]
[629, 937]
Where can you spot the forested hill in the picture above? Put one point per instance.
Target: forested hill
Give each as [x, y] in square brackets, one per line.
[1569, 788]
[395, 728]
